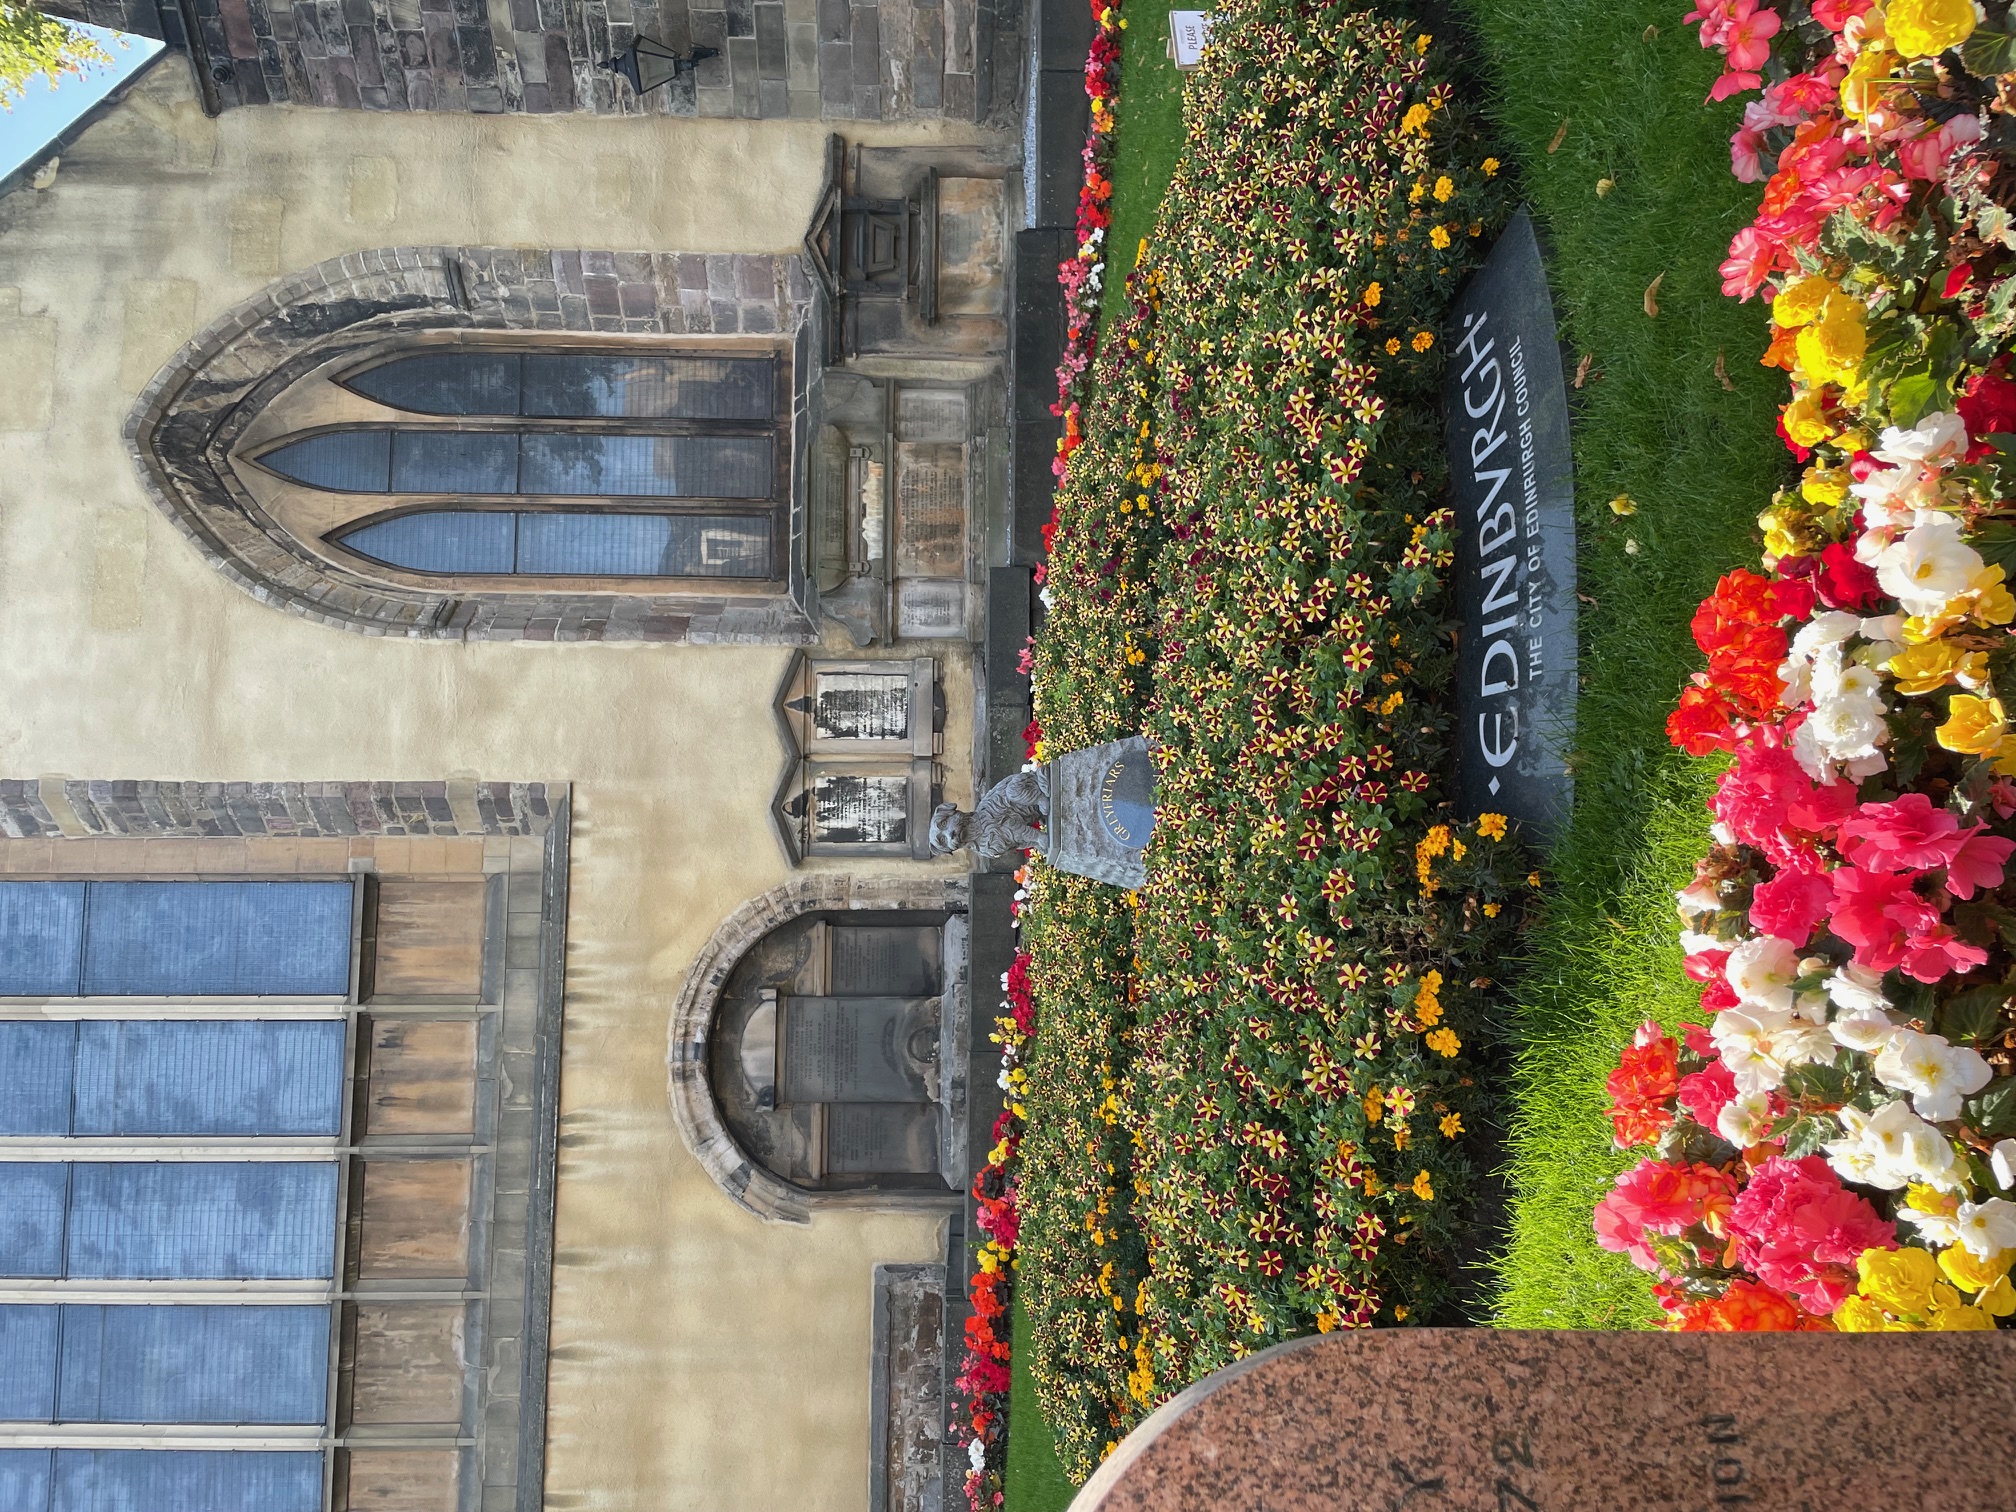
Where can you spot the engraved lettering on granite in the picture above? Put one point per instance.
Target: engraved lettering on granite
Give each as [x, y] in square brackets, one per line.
[852, 1049]
[900, 960]
[881, 1139]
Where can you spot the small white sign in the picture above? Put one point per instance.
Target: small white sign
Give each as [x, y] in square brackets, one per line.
[1188, 32]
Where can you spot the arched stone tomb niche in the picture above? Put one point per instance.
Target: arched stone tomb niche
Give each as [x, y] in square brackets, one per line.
[819, 1049]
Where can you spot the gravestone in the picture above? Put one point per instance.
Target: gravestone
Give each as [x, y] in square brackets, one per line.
[861, 705]
[1497, 1420]
[1505, 412]
[1102, 811]
[855, 1049]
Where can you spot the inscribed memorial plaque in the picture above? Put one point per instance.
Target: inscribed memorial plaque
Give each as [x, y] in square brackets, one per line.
[930, 508]
[853, 1049]
[1506, 415]
[861, 706]
[870, 1139]
[930, 608]
[852, 808]
[898, 960]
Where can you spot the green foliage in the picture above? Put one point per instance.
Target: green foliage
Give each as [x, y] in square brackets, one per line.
[1654, 421]
[1247, 1098]
[33, 44]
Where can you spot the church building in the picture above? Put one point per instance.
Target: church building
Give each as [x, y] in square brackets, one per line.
[496, 570]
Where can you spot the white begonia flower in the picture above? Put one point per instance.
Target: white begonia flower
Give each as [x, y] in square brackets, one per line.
[1842, 732]
[1928, 565]
[1801, 1043]
[1743, 1039]
[1936, 1228]
[1745, 1119]
[1936, 1073]
[1938, 439]
[1865, 1029]
[1986, 1228]
[976, 1455]
[1693, 942]
[1855, 987]
[1884, 628]
[1797, 675]
[2002, 1163]
[1698, 898]
[1829, 628]
[1761, 971]
[1891, 1148]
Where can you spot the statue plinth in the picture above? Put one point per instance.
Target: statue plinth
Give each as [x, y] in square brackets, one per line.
[1102, 811]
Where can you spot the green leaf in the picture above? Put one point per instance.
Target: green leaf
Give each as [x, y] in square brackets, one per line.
[1825, 1083]
[1913, 396]
[1988, 52]
[1807, 1135]
[1992, 1114]
[1974, 1015]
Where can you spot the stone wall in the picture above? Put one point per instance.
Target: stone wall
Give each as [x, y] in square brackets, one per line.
[855, 60]
[53, 807]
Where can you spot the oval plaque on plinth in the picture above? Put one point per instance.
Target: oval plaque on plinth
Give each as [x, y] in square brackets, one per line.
[1102, 811]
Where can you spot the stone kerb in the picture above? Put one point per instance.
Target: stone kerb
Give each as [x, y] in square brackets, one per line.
[181, 429]
[694, 1109]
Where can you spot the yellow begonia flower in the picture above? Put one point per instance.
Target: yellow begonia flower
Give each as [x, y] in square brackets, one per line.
[1798, 302]
[1824, 486]
[1899, 1280]
[1863, 87]
[1992, 602]
[1926, 28]
[1831, 348]
[1778, 540]
[1988, 1277]
[1974, 726]
[1806, 423]
[1860, 1315]
[1928, 668]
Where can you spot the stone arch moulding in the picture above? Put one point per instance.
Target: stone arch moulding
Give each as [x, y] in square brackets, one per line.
[182, 429]
[694, 1110]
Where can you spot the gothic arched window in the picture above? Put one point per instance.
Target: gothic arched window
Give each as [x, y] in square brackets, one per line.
[480, 462]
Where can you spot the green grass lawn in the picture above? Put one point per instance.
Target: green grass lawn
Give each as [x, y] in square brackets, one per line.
[1036, 1480]
[1699, 460]
[1150, 139]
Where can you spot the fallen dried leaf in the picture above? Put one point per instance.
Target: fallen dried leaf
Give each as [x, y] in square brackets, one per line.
[1652, 296]
[1604, 186]
[1651, 34]
[1582, 368]
[1588, 600]
[1623, 504]
[1722, 371]
[1560, 132]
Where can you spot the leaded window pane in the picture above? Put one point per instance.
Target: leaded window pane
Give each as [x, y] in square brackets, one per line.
[253, 939]
[28, 1341]
[458, 462]
[665, 467]
[179, 1364]
[184, 1480]
[449, 382]
[37, 1065]
[41, 934]
[622, 545]
[24, 1479]
[652, 388]
[227, 1220]
[351, 461]
[441, 540]
[33, 1196]
[251, 1077]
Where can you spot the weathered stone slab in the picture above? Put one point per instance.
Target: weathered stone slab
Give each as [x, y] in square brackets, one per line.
[1467, 1420]
[1513, 488]
[1102, 811]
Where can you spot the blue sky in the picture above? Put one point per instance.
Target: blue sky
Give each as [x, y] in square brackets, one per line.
[41, 114]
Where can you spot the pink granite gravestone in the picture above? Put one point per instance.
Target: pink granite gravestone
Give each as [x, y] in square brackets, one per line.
[1487, 1420]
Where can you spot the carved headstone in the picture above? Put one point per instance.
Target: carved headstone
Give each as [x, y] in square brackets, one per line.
[1423, 1420]
[856, 1049]
[1513, 489]
[1102, 811]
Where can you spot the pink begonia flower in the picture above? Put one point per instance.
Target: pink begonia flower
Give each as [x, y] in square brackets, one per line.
[1716, 18]
[1798, 1229]
[1925, 153]
[1978, 864]
[1733, 83]
[1878, 913]
[1705, 1093]
[1836, 14]
[1910, 834]
[1655, 1198]
[1746, 152]
[1753, 257]
[1938, 953]
[1769, 802]
[1791, 905]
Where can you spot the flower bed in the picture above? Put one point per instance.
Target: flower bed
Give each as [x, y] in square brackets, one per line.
[1828, 1150]
[1251, 1091]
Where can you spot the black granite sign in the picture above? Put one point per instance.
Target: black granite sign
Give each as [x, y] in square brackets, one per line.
[1506, 412]
[1102, 811]
[850, 1049]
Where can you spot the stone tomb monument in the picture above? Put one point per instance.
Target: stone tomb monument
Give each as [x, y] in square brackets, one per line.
[1494, 1420]
[1512, 480]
